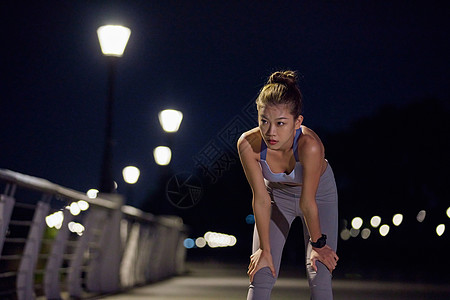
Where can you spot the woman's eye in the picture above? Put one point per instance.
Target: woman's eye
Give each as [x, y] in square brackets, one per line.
[263, 122]
[280, 123]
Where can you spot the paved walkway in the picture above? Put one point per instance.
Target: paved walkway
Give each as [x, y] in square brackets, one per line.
[229, 282]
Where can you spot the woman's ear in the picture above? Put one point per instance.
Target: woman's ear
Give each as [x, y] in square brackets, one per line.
[298, 122]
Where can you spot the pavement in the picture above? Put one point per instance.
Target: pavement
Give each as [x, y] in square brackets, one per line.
[212, 280]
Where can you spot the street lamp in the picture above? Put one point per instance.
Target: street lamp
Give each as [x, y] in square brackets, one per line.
[170, 119]
[162, 155]
[113, 40]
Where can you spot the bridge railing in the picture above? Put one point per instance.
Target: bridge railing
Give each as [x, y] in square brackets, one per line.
[56, 242]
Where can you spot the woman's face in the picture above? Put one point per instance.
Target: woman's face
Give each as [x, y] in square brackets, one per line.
[277, 126]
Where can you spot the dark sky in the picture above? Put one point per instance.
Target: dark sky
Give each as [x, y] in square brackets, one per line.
[207, 59]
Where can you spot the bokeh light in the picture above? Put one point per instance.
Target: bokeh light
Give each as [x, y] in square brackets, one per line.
[440, 229]
[357, 223]
[384, 230]
[189, 243]
[421, 216]
[397, 219]
[365, 233]
[250, 219]
[375, 221]
[92, 193]
[200, 242]
[345, 234]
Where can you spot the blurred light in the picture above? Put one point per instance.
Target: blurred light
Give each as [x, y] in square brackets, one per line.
[170, 119]
[113, 39]
[397, 219]
[357, 223]
[375, 221]
[130, 174]
[421, 216]
[76, 227]
[384, 230]
[365, 233]
[200, 242]
[354, 232]
[162, 155]
[448, 212]
[345, 234]
[74, 209]
[83, 205]
[440, 229]
[189, 243]
[215, 239]
[92, 193]
[55, 220]
[250, 219]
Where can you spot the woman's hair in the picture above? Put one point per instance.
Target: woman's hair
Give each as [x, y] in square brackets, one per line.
[282, 88]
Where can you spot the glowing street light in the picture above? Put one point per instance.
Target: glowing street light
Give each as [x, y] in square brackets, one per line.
[130, 174]
[170, 120]
[113, 40]
[162, 155]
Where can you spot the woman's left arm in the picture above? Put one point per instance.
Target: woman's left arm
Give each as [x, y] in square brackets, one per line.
[312, 159]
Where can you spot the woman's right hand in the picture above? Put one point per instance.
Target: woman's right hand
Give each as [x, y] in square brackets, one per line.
[258, 260]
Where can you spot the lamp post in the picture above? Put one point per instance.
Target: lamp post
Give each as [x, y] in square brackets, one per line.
[113, 40]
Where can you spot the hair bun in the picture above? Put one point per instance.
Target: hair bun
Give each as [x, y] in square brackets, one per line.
[283, 77]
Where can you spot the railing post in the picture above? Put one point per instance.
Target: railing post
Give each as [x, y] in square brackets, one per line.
[6, 208]
[25, 276]
[106, 266]
[52, 276]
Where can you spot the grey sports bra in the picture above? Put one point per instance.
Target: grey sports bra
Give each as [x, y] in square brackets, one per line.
[294, 177]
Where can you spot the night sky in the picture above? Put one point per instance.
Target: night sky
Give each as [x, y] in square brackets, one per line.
[207, 59]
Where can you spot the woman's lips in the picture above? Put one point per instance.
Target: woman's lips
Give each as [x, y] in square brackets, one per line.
[272, 142]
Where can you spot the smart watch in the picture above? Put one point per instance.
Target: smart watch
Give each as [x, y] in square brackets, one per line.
[321, 242]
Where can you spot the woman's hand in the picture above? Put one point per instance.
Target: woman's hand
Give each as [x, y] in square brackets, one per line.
[326, 255]
[258, 260]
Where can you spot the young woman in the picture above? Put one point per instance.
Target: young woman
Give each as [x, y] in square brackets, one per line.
[285, 165]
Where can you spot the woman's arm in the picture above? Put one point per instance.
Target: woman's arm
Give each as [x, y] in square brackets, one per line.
[312, 158]
[261, 202]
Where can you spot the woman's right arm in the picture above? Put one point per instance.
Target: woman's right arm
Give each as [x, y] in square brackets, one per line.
[261, 203]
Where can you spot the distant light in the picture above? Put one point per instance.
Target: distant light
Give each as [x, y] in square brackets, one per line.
[131, 174]
[357, 223]
[92, 193]
[170, 119]
[189, 243]
[448, 212]
[421, 216]
[345, 234]
[250, 219]
[397, 219]
[365, 233]
[113, 39]
[440, 229]
[83, 205]
[384, 230]
[74, 209]
[162, 155]
[76, 227]
[354, 232]
[375, 221]
[215, 239]
[55, 220]
[200, 242]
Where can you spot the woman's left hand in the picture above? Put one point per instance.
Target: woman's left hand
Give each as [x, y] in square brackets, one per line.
[325, 255]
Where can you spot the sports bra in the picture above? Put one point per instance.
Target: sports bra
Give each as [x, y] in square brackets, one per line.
[294, 177]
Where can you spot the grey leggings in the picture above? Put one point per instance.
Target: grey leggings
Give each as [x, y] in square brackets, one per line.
[285, 208]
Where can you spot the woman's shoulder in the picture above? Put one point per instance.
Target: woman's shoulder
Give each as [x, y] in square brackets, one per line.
[309, 141]
[250, 139]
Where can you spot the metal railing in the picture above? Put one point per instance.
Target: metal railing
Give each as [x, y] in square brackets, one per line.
[106, 248]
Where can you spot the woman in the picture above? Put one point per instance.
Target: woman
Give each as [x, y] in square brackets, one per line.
[285, 165]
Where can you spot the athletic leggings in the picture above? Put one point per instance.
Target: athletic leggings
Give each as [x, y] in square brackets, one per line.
[285, 208]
